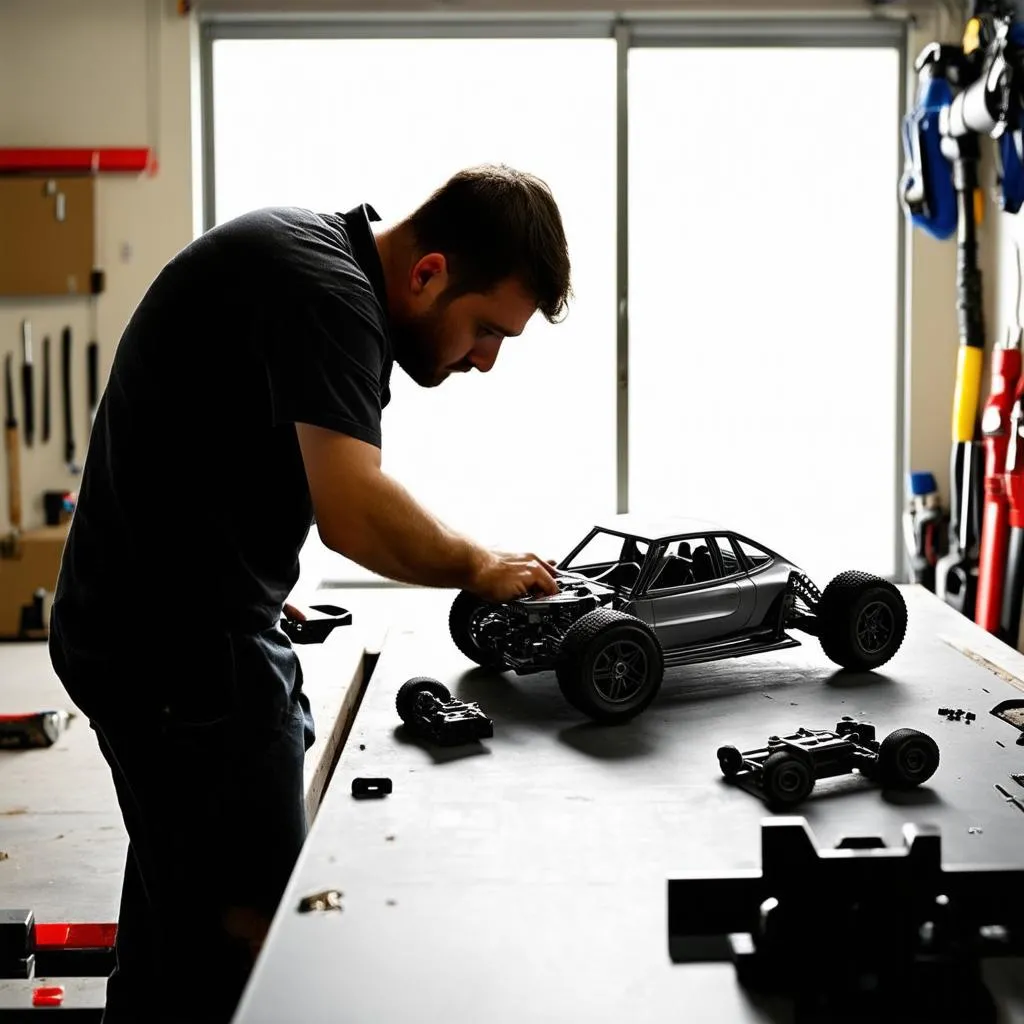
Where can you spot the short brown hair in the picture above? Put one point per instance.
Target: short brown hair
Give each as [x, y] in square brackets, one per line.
[491, 223]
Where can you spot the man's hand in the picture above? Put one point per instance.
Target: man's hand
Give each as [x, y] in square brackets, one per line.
[294, 612]
[502, 576]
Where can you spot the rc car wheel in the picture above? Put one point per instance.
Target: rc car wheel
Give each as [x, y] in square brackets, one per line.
[730, 760]
[408, 691]
[862, 620]
[610, 666]
[906, 758]
[786, 780]
[464, 620]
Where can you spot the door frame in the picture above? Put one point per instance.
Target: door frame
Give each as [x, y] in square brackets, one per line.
[679, 30]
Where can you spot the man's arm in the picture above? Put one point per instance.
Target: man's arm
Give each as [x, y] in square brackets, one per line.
[369, 517]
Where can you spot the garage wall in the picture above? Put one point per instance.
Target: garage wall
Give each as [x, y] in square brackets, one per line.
[102, 73]
[122, 72]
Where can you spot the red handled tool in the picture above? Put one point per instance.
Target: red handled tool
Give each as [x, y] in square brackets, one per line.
[995, 430]
[36, 729]
[1013, 585]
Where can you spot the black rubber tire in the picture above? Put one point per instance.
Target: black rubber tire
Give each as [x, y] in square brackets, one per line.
[786, 780]
[906, 758]
[586, 641]
[851, 607]
[730, 760]
[406, 696]
[460, 618]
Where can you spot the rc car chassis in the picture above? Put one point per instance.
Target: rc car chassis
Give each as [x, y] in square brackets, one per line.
[636, 597]
[785, 770]
[429, 711]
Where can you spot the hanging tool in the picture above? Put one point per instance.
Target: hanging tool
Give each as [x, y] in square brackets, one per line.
[97, 282]
[69, 422]
[92, 360]
[1013, 583]
[943, 153]
[27, 384]
[12, 444]
[957, 572]
[995, 429]
[925, 526]
[46, 389]
[968, 91]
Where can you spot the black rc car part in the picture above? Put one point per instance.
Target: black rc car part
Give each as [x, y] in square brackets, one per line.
[957, 715]
[322, 619]
[371, 789]
[784, 771]
[858, 933]
[429, 711]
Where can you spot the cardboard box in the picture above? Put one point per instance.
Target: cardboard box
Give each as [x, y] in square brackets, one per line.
[29, 566]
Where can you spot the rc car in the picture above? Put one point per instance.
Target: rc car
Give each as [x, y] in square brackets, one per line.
[784, 771]
[428, 709]
[637, 596]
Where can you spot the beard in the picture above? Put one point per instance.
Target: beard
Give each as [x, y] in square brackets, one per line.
[418, 344]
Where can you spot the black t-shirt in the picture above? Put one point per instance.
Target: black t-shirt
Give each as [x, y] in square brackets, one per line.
[193, 505]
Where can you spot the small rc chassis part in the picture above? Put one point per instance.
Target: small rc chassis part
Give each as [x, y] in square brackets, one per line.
[636, 597]
[428, 710]
[785, 770]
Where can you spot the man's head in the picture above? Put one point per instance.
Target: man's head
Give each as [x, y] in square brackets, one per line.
[469, 268]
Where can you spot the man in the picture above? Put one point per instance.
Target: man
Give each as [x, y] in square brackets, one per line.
[244, 402]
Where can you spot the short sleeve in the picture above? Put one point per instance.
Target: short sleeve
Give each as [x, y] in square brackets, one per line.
[325, 359]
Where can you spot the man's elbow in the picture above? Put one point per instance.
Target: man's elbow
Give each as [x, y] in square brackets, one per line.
[345, 536]
[333, 537]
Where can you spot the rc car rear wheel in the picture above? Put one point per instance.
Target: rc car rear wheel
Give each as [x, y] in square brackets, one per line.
[465, 620]
[610, 666]
[862, 620]
[405, 700]
[786, 780]
[730, 760]
[906, 758]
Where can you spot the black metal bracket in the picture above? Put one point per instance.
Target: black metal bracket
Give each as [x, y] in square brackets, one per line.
[316, 628]
[859, 932]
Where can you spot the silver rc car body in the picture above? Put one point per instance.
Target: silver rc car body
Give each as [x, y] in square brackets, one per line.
[637, 596]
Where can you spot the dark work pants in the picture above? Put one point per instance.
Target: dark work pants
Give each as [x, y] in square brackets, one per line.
[209, 778]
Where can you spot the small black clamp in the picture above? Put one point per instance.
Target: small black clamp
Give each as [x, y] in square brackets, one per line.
[366, 789]
[317, 626]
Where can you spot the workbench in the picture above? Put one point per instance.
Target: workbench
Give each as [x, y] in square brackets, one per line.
[524, 877]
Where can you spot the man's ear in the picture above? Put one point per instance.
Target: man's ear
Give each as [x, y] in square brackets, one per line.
[430, 272]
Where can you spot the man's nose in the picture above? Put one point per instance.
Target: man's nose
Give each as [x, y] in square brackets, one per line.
[485, 355]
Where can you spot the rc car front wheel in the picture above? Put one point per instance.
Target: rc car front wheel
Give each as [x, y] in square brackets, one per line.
[466, 620]
[786, 780]
[405, 700]
[862, 620]
[906, 758]
[730, 760]
[610, 666]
